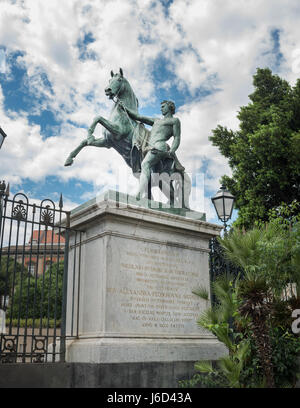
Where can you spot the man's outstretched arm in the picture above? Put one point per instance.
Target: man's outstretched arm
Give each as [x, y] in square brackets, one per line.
[136, 116]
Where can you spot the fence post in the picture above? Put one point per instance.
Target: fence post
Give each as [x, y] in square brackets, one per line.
[3, 193]
[64, 293]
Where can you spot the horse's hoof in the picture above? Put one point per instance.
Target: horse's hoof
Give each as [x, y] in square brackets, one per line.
[69, 161]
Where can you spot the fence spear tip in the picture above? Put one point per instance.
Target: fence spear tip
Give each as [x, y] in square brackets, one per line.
[61, 201]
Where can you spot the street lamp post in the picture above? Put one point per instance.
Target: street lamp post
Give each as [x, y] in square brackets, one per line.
[223, 202]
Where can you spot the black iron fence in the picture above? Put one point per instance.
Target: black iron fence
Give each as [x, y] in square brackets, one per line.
[34, 245]
[219, 265]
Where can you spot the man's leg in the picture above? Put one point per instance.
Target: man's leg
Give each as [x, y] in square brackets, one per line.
[149, 161]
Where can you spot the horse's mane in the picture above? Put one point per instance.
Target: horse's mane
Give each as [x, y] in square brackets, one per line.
[134, 99]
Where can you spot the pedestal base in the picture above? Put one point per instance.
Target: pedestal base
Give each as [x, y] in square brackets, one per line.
[131, 281]
[111, 350]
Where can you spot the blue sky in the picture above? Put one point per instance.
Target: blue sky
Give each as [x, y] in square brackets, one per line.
[55, 61]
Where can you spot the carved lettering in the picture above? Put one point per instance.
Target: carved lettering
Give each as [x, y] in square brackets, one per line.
[156, 290]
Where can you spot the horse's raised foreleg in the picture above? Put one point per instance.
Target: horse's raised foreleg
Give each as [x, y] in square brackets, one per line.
[74, 153]
[91, 141]
[111, 127]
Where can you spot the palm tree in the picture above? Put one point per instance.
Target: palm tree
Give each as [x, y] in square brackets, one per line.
[255, 291]
[216, 319]
[269, 257]
[256, 294]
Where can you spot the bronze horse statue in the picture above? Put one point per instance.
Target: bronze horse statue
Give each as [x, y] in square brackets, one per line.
[129, 138]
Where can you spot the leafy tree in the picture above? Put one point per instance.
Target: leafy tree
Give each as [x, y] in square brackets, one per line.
[253, 313]
[39, 297]
[269, 256]
[264, 154]
[216, 319]
[9, 274]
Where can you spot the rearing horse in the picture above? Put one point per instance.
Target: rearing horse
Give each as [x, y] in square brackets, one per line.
[119, 128]
[129, 138]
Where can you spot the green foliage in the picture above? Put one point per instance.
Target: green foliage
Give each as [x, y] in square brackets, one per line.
[51, 323]
[270, 253]
[40, 296]
[216, 319]
[252, 317]
[285, 356]
[269, 256]
[201, 292]
[264, 153]
[242, 367]
[228, 369]
[213, 379]
[9, 274]
[233, 364]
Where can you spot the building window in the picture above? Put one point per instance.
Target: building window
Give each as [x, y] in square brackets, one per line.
[31, 269]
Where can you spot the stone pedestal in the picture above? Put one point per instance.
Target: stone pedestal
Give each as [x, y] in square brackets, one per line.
[131, 299]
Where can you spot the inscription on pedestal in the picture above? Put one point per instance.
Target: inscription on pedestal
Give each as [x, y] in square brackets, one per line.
[152, 290]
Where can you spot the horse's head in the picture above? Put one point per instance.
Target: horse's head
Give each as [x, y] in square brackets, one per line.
[119, 87]
[115, 84]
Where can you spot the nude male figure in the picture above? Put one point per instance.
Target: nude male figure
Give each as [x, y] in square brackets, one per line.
[162, 130]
